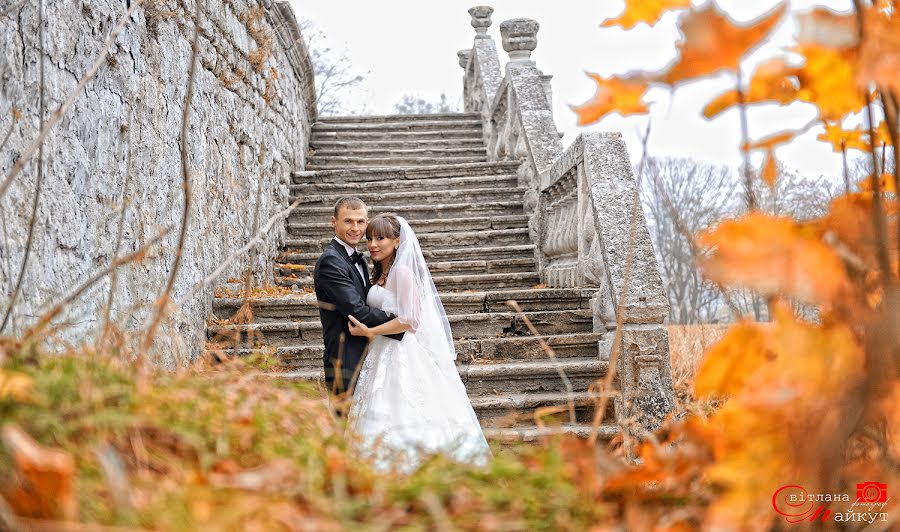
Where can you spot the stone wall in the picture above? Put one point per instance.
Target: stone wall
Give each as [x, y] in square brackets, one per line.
[118, 148]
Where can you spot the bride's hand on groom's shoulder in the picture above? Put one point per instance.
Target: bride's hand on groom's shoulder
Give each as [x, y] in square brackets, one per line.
[359, 329]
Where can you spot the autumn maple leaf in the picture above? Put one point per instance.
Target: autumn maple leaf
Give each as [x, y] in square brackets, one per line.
[613, 95]
[773, 81]
[828, 80]
[646, 11]
[770, 164]
[713, 43]
[774, 255]
[879, 55]
[842, 139]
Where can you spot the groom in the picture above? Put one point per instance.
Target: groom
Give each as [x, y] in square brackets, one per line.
[342, 283]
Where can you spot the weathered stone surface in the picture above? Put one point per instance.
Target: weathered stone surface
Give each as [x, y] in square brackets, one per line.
[645, 373]
[614, 194]
[118, 147]
[519, 37]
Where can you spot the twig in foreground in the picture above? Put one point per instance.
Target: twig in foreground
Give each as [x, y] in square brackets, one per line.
[163, 301]
[59, 113]
[237, 253]
[552, 354]
[29, 241]
[623, 297]
[131, 257]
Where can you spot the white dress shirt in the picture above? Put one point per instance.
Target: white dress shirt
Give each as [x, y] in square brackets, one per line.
[350, 251]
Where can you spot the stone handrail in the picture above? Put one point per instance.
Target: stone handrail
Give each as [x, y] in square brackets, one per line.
[288, 32]
[580, 203]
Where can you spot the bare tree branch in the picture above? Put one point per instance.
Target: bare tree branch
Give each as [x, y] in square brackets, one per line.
[40, 174]
[59, 113]
[131, 257]
[185, 184]
[239, 252]
[600, 409]
[123, 209]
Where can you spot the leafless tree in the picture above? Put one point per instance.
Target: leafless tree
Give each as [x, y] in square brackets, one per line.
[336, 79]
[700, 195]
[682, 197]
[414, 105]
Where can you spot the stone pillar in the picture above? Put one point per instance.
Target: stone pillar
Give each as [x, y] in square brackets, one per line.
[481, 20]
[519, 37]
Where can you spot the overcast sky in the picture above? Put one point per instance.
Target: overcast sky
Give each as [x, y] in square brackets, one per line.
[409, 46]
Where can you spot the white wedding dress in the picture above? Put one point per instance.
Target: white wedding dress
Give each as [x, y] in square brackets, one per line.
[409, 400]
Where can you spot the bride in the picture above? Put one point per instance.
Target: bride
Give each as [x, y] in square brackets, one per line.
[409, 399]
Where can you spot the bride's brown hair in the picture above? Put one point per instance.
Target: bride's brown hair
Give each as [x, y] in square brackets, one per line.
[385, 225]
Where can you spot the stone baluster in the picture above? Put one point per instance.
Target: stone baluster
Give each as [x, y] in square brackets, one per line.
[519, 38]
[481, 20]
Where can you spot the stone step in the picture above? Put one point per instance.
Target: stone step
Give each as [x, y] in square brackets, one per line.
[284, 341]
[398, 153]
[435, 255]
[303, 306]
[517, 409]
[444, 282]
[401, 144]
[462, 267]
[472, 238]
[324, 163]
[421, 185]
[398, 125]
[351, 135]
[606, 432]
[531, 376]
[343, 175]
[479, 325]
[417, 212]
[418, 198]
[422, 227]
[370, 119]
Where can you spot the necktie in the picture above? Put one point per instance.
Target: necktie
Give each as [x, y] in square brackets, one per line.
[357, 258]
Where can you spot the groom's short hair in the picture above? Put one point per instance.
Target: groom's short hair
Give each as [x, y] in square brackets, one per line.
[350, 202]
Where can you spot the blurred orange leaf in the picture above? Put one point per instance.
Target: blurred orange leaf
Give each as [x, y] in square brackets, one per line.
[842, 139]
[828, 80]
[646, 11]
[613, 95]
[886, 183]
[879, 55]
[729, 362]
[849, 219]
[770, 169]
[772, 81]
[712, 42]
[42, 479]
[824, 27]
[769, 143]
[773, 255]
[14, 385]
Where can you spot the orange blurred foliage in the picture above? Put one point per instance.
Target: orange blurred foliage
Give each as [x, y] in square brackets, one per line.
[644, 11]
[613, 95]
[713, 43]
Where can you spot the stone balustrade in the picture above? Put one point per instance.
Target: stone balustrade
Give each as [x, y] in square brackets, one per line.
[580, 203]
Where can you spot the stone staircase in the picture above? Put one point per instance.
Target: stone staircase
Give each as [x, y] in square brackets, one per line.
[469, 216]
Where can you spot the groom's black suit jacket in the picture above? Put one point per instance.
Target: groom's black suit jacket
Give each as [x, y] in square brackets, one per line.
[342, 292]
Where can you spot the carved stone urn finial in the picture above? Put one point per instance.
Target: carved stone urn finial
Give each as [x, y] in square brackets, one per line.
[463, 56]
[519, 37]
[481, 20]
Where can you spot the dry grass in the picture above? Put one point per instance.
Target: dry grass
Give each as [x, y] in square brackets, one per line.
[687, 345]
